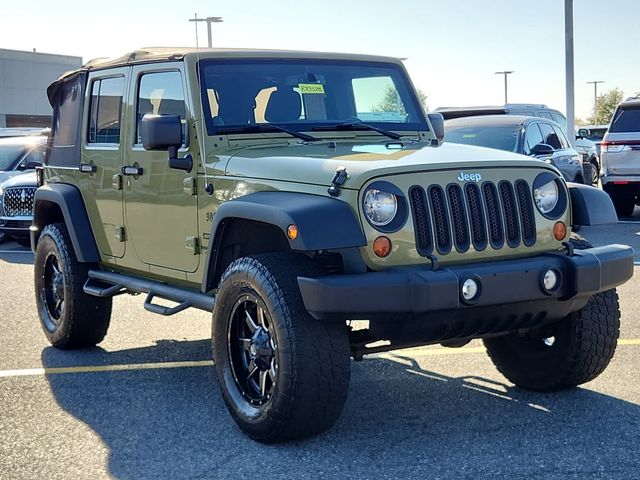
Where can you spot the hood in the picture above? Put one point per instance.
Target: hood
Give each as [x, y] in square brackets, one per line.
[4, 176]
[316, 163]
[28, 179]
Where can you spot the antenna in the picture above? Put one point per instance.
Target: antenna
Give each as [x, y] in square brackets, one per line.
[208, 187]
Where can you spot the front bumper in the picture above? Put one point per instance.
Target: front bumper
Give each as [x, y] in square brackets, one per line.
[507, 288]
[16, 226]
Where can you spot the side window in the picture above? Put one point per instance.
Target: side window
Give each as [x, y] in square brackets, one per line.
[532, 137]
[67, 115]
[560, 120]
[549, 135]
[160, 93]
[564, 143]
[105, 110]
[546, 115]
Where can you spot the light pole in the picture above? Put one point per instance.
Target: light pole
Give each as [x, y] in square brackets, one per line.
[595, 100]
[505, 73]
[209, 21]
[568, 56]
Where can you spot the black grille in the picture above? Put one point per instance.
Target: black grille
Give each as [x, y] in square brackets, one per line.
[510, 213]
[459, 217]
[527, 218]
[494, 218]
[440, 217]
[421, 223]
[476, 216]
[18, 202]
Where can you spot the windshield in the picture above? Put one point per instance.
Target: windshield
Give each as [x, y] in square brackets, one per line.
[501, 137]
[305, 94]
[596, 134]
[8, 156]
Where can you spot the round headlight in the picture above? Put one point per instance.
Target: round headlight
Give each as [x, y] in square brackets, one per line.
[380, 207]
[546, 196]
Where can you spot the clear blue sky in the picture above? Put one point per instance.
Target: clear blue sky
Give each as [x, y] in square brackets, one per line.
[452, 47]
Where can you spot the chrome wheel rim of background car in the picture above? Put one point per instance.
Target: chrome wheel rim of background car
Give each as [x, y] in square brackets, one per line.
[53, 290]
[252, 350]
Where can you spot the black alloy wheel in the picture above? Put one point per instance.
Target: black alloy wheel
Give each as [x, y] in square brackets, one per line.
[52, 292]
[252, 350]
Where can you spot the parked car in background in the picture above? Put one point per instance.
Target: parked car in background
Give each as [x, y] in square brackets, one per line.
[621, 157]
[16, 207]
[582, 145]
[595, 133]
[17, 156]
[531, 136]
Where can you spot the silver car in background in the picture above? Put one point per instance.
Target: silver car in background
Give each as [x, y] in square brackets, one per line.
[620, 152]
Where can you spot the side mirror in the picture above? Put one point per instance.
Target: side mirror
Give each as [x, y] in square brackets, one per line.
[542, 149]
[437, 124]
[164, 132]
[583, 133]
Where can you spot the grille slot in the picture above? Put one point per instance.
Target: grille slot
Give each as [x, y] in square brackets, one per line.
[458, 218]
[527, 217]
[479, 215]
[476, 216]
[440, 215]
[421, 222]
[512, 228]
[494, 217]
[18, 202]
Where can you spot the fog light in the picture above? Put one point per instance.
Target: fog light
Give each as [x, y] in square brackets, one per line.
[470, 289]
[382, 246]
[550, 280]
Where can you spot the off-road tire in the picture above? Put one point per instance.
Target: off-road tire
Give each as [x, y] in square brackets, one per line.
[69, 317]
[595, 172]
[312, 356]
[583, 344]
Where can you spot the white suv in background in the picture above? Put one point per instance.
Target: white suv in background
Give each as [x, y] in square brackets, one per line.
[620, 152]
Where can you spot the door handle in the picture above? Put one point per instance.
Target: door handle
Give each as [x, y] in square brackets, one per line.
[87, 168]
[131, 170]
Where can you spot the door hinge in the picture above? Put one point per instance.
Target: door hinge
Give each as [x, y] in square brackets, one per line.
[189, 186]
[192, 244]
[120, 234]
[116, 181]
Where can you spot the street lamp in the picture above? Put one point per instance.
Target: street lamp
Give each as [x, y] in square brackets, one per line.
[505, 73]
[209, 21]
[595, 100]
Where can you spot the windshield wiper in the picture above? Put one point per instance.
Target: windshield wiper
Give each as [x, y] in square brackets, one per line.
[266, 127]
[357, 126]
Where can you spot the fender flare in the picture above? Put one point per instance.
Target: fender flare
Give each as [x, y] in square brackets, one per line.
[69, 199]
[323, 223]
[590, 206]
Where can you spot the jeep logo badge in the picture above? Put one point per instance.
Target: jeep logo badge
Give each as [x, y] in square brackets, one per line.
[469, 177]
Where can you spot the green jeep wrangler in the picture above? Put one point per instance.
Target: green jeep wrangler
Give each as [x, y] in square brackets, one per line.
[291, 193]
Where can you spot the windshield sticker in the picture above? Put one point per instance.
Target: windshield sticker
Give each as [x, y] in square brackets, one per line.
[311, 88]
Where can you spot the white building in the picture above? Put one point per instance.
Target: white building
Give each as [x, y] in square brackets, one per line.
[24, 78]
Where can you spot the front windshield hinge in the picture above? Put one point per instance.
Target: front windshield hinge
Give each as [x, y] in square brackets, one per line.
[339, 178]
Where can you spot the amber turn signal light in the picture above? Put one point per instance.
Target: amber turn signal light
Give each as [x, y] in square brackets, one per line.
[382, 246]
[292, 232]
[559, 231]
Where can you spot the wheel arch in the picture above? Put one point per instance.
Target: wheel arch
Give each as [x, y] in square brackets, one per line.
[257, 223]
[63, 203]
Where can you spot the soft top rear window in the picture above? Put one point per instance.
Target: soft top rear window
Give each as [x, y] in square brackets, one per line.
[626, 119]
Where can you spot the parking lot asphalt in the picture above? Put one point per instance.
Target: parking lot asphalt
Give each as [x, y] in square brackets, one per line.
[145, 404]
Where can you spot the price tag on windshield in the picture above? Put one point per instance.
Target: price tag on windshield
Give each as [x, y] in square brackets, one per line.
[311, 88]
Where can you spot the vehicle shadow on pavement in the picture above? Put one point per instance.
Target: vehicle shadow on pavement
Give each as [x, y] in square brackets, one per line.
[20, 257]
[400, 419]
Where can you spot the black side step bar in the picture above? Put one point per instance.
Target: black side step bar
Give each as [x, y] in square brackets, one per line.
[107, 284]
